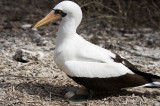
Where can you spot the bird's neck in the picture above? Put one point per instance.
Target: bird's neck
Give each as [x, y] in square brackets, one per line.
[67, 29]
[67, 26]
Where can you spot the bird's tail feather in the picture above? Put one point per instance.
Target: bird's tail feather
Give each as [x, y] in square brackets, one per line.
[150, 85]
[155, 82]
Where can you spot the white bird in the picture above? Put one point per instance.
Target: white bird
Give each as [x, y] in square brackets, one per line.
[87, 64]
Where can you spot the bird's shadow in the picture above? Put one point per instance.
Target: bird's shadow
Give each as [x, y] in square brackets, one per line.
[43, 90]
[126, 93]
[56, 92]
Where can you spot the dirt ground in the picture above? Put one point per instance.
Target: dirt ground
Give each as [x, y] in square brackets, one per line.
[40, 83]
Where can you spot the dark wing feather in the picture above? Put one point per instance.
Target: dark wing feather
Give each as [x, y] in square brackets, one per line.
[111, 84]
[148, 76]
[116, 83]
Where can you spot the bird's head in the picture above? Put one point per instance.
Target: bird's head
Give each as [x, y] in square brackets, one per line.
[65, 10]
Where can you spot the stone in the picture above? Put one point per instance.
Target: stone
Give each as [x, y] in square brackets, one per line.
[26, 26]
[37, 38]
[24, 56]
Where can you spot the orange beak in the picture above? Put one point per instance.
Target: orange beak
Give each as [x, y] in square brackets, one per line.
[50, 17]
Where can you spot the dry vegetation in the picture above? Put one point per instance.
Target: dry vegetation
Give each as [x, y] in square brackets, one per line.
[128, 27]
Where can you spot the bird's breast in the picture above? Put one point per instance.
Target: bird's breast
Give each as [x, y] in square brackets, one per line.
[62, 55]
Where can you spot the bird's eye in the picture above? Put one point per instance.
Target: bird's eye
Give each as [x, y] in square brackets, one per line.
[58, 11]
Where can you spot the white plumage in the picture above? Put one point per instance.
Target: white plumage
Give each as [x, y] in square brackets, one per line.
[78, 57]
[86, 62]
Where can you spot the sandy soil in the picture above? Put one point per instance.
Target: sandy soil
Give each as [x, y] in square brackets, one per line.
[40, 82]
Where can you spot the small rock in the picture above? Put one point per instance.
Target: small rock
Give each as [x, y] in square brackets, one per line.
[150, 40]
[2, 93]
[26, 26]
[137, 48]
[36, 37]
[25, 56]
[156, 104]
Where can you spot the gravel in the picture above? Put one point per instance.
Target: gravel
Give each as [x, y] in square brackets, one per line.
[39, 82]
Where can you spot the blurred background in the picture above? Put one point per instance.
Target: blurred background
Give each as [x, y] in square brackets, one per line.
[117, 13]
[105, 17]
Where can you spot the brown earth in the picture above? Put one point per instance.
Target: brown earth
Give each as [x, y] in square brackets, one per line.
[40, 82]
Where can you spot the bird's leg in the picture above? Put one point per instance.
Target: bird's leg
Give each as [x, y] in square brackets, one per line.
[78, 96]
[91, 93]
[83, 91]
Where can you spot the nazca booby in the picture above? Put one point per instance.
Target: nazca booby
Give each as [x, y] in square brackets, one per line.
[87, 64]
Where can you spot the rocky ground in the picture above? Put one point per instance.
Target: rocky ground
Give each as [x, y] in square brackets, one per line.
[33, 79]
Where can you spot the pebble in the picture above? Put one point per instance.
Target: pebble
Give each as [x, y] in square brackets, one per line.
[150, 40]
[26, 26]
[24, 56]
[37, 38]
